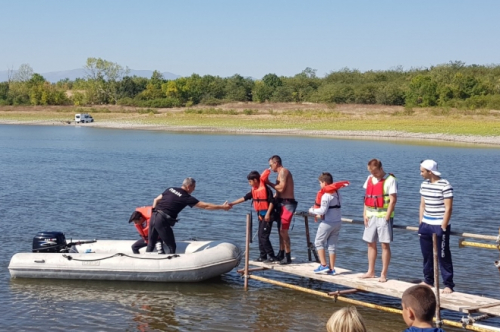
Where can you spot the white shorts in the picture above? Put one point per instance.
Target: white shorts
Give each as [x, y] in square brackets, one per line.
[378, 230]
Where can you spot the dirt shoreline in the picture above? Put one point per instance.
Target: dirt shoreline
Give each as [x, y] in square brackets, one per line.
[345, 134]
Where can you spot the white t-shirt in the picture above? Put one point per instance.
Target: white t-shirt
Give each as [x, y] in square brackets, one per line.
[330, 216]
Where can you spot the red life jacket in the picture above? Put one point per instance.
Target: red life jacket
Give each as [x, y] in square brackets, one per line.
[146, 213]
[260, 195]
[375, 196]
[330, 189]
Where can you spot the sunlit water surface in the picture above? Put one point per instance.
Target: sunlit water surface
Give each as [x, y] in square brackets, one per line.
[86, 182]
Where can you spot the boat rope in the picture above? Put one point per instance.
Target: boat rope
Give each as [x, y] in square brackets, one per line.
[69, 257]
[470, 320]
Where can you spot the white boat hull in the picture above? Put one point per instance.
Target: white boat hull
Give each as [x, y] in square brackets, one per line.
[114, 260]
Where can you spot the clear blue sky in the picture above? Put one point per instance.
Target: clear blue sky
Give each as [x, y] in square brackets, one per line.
[251, 38]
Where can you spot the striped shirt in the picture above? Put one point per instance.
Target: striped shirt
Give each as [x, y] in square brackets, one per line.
[434, 195]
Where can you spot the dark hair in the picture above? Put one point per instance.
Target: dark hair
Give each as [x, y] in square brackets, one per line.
[326, 178]
[276, 159]
[375, 163]
[253, 175]
[422, 300]
[136, 215]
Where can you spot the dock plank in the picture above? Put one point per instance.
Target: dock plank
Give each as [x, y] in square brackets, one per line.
[456, 301]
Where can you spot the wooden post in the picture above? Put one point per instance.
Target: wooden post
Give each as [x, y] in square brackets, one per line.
[306, 221]
[436, 279]
[247, 249]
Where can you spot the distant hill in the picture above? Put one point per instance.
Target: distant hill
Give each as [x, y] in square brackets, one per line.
[73, 74]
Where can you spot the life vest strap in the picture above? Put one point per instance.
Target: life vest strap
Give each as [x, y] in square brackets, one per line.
[370, 196]
[334, 207]
[374, 209]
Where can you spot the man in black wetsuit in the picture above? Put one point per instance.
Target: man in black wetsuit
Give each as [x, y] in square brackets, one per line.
[167, 206]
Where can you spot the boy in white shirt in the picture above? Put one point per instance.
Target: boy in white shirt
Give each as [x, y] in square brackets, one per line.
[329, 228]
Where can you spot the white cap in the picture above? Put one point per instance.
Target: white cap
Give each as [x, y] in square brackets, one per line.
[431, 165]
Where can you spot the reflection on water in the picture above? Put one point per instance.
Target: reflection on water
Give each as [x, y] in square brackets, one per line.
[217, 305]
[86, 182]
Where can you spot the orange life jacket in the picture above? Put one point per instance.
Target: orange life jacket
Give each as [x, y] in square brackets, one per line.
[265, 175]
[260, 195]
[146, 213]
[375, 196]
[330, 189]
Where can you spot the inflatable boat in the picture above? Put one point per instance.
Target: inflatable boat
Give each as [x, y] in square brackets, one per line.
[53, 258]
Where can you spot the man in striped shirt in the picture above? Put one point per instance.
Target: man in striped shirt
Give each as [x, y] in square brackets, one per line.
[436, 205]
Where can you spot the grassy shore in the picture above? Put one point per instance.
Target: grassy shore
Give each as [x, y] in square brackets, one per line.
[306, 119]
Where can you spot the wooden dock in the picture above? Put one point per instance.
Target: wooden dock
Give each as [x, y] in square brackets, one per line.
[476, 307]
[456, 301]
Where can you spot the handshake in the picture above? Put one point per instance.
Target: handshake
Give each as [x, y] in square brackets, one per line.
[227, 206]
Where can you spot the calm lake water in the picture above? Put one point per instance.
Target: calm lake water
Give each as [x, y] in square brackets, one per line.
[87, 181]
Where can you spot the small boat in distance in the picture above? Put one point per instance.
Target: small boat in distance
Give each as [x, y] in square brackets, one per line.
[53, 258]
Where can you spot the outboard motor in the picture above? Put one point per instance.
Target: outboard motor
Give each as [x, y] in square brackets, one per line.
[49, 242]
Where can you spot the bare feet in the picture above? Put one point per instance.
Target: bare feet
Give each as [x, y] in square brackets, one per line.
[382, 279]
[366, 276]
[447, 290]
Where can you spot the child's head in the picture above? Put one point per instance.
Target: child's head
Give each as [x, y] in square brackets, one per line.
[253, 178]
[136, 218]
[325, 178]
[419, 305]
[346, 319]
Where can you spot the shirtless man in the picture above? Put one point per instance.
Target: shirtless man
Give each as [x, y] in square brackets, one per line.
[286, 199]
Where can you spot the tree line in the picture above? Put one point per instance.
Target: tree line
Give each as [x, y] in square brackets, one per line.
[453, 84]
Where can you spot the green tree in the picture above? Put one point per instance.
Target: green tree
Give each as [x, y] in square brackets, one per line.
[365, 94]
[19, 90]
[214, 87]
[335, 93]
[264, 90]
[157, 79]
[239, 88]
[177, 89]
[467, 86]
[154, 87]
[422, 92]
[130, 87]
[261, 92]
[284, 94]
[345, 76]
[272, 80]
[4, 90]
[36, 79]
[390, 94]
[102, 77]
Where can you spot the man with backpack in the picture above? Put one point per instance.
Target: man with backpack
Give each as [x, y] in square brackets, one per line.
[263, 203]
